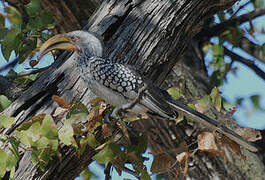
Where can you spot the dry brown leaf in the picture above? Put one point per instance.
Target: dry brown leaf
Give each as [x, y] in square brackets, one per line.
[95, 116]
[183, 159]
[101, 146]
[106, 130]
[59, 111]
[123, 127]
[102, 107]
[249, 134]
[38, 118]
[233, 146]
[161, 163]
[206, 142]
[117, 162]
[95, 101]
[199, 108]
[60, 101]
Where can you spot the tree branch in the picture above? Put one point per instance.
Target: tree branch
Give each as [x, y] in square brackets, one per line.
[35, 71]
[241, 7]
[247, 62]
[252, 49]
[10, 64]
[219, 28]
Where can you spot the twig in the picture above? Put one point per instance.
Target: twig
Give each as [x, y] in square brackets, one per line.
[228, 69]
[107, 171]
[252, 49]
[12, 63]
[241, 7]
[247, 62]
[27, 73]
[219, 28]
[125, 169]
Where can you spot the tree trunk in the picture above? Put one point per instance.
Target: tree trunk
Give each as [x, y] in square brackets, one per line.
[152, 36]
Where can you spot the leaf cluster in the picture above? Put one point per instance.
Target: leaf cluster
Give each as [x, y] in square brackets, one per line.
[44, 139]
[23, 33]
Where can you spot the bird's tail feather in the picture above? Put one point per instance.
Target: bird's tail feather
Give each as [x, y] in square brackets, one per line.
[201, 118]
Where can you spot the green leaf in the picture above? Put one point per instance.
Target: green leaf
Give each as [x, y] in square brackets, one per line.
[3, 159]
[218, 54]
[35, 23]
[239, 101]
[263, 49]
[87, 174]
[33, 8]
[6, 121]
[44, 157]
[258, 3]
[175, 93]
[3, 137]
[77, 107]
[159, 177]
[255, 99]
[2, 21]
[11, 161]
[6, 50]
[142, 145]
[218, 50]
[13, 15]
[48, 128]
[34, 156]
[3, 33]
[12, 173]
[145, 175]
[23, 138]
[33, 132]
[217, 78]
[203, 104]
[11, 41]
[216, 99]
[66, 134]
[47, 20]
[107, 154]
[4, 102]
[24, 126]
[91, 140]
[14, 146]
[54, 144]
[42, 143]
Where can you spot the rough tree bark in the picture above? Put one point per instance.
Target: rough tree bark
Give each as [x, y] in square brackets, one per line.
[151, 35]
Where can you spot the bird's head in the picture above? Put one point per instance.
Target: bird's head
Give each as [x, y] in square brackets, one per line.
[79, 41]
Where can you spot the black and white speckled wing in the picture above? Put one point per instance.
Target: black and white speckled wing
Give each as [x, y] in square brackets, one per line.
[127, 82]
[116, 77]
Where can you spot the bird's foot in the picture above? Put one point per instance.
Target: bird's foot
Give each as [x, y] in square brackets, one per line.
[117, 113]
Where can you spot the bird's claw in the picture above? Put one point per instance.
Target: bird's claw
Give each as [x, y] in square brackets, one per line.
[116, 113]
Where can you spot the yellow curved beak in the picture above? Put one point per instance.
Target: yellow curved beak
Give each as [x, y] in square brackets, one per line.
[59, 41]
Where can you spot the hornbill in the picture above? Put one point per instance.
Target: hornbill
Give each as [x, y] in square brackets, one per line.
[120, 85]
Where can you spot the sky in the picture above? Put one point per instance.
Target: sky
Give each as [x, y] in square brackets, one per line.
[244, 84]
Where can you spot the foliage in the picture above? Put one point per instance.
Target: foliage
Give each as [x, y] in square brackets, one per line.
[44, 139]
[4, 102]
[220, 46]
[22, 33]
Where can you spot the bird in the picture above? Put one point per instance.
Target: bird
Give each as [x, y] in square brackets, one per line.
[122, 86]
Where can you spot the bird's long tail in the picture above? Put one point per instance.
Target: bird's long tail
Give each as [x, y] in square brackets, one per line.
[199, 117]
